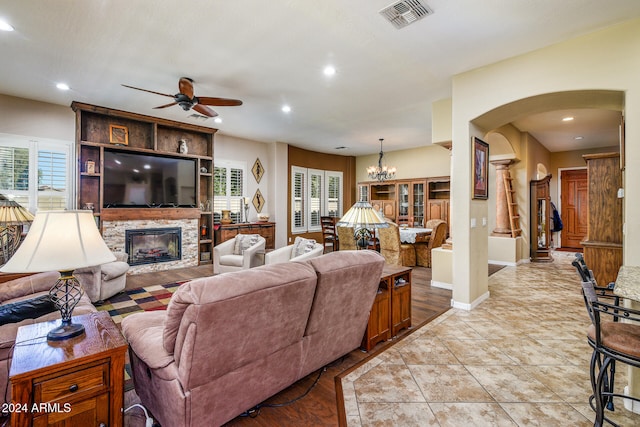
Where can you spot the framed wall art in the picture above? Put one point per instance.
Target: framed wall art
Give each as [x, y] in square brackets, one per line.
[480, 169]
[258, 201]
[257, 170]
[118, 135]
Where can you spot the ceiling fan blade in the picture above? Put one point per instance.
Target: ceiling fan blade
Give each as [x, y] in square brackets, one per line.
[186, 86]
[147, 90]
[222, 102]
[166, 105]
[203, 109]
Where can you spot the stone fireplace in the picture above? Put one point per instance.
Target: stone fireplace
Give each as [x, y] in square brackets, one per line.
[153, 245]
[114, 233]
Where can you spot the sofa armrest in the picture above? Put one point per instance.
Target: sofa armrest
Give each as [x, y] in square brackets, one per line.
[317, 250]
[250, 255]
[121, 256]
[144, 333]
[279, 255]
[89, 278]
[28, 285]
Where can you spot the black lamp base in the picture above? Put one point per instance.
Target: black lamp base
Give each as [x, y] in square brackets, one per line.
[65, 331]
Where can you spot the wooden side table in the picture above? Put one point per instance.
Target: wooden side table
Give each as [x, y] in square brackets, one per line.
[75, 382]
[391, 310]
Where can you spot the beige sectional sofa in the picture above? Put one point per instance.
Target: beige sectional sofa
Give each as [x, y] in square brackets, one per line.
[14, 291]
[228, 342]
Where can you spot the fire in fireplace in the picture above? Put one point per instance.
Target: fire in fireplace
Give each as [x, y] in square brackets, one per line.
[152, 245]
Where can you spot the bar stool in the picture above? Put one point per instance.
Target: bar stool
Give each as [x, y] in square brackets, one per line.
[612, 342]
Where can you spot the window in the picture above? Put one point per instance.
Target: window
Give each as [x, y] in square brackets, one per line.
[36, 173]
[228, 188]
[314, 193]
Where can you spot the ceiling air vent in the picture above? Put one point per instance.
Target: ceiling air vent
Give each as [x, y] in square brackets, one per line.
[405, 12]
[198, 117]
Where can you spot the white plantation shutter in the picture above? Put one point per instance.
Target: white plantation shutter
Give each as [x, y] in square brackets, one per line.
[314, 193]
[298, 179]
[35, 172]
[52, 183]
[228, 188]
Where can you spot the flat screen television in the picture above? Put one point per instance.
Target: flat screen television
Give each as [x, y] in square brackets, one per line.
[137, 180]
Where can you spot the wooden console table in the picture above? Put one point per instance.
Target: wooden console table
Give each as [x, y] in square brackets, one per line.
[267, 230]
[391, 310]
[75, 382]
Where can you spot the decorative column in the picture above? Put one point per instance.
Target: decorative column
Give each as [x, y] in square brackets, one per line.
[503, 223]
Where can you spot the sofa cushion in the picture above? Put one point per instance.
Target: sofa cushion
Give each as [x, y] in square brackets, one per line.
[233, 260]
[111, 270]
[302, 246]
[26, 309]
[144, 334]
[244, 241]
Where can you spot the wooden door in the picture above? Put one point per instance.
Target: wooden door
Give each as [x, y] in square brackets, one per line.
[574, 208]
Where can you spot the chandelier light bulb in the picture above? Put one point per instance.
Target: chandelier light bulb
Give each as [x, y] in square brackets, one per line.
[380, 172]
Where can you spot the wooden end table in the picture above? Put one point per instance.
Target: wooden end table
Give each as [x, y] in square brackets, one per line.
[391, 311]
[75, 382]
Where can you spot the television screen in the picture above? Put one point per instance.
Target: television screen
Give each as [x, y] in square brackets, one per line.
[143, 180]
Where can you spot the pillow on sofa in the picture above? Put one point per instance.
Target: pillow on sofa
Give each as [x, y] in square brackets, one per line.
[301, 246]
[244, 241]
[26, 309]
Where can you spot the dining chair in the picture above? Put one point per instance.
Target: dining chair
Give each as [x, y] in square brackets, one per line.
[346, 238]
[438, 235]
[330, 238]
[393, 250]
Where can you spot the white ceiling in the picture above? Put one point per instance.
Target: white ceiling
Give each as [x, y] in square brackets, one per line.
[268, 53]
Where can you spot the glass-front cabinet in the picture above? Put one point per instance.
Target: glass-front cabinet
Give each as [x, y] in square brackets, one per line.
[411, 199]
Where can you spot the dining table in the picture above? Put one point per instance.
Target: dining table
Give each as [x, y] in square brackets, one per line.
[414, 234]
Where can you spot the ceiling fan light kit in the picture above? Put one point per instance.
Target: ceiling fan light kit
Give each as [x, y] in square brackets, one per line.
[186, 99]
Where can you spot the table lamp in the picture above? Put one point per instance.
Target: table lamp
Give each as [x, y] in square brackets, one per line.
[61, 241]
[363, 218]
[12, 218]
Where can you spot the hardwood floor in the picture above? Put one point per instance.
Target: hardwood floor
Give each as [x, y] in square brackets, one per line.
[319, 406]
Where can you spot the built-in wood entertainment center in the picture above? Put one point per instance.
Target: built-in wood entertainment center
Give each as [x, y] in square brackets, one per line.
[99, 129]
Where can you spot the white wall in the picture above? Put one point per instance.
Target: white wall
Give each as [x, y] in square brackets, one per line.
[604, 60]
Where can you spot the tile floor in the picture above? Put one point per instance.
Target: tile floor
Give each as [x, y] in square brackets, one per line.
[519, 359]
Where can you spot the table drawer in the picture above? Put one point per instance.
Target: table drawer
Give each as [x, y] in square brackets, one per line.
[79, 382]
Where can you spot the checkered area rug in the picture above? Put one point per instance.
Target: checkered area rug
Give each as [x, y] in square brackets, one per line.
[149, 298]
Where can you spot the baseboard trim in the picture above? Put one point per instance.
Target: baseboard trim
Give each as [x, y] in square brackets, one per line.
[507, 263]
[469, 307]
[442, 285]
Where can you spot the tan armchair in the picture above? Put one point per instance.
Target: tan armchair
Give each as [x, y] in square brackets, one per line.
[438, 235]
[240, 253]
[103, 281]
[346, 239]
[392, 249]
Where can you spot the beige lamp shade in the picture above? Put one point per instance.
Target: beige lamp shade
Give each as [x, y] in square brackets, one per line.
[60, 241]
[362, 215]
[11, 213]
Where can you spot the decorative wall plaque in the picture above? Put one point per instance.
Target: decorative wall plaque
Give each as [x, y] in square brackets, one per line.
[258, 201]
[258, 171]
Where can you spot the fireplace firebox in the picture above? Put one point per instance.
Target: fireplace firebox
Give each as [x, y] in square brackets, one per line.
[153, 245]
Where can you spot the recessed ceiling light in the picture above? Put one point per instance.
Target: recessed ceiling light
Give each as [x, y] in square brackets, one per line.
[136, 170]
[217, 120]
[147, 166]
[5, 26]
[578, 138]
[62, 86]
[329, 70]
[286, 109]
[567, 119]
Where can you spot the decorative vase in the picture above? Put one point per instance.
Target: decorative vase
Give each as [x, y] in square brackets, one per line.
[226, 217]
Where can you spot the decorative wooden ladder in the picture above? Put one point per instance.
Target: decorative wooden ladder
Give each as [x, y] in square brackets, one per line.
[514, 218]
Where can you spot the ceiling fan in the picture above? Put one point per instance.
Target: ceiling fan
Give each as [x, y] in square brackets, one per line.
[187, 100]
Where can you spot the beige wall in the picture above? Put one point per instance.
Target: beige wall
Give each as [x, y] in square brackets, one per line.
[21, 116]
[608, 60]
[413, 163]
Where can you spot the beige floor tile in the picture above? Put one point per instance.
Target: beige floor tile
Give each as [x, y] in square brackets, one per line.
[471, 414]
[477, 352]
[397, 414]
[546, 415]
[512, 384]
[448, 383]
[388, 383]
